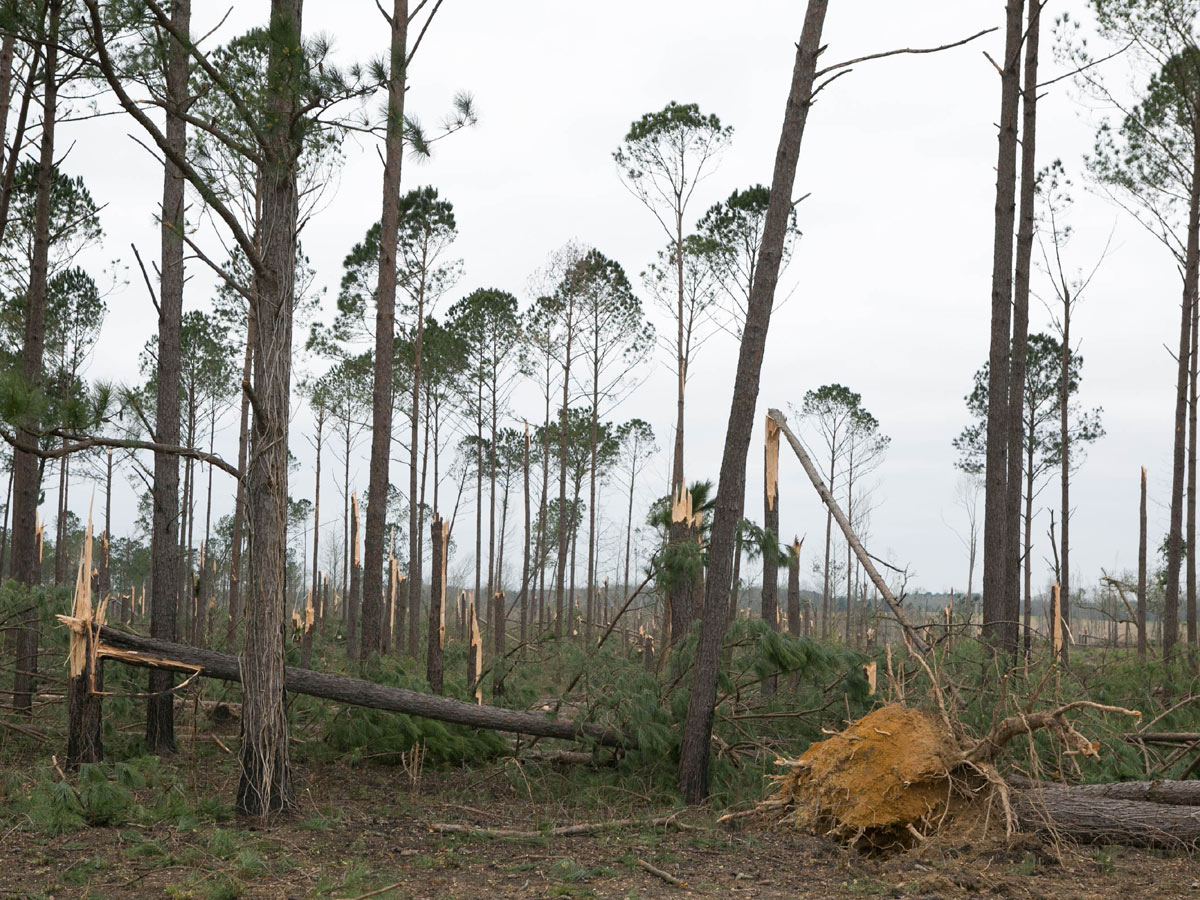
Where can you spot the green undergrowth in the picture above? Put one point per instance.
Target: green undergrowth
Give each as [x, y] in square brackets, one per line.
[139, 791]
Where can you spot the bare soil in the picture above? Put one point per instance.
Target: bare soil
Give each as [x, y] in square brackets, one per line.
[365, 827]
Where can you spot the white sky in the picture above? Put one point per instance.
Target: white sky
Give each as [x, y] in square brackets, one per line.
[891, 279]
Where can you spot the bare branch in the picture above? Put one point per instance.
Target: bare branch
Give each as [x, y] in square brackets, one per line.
[851, 62]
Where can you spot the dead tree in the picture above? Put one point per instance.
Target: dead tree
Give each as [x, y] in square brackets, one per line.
[440, 536]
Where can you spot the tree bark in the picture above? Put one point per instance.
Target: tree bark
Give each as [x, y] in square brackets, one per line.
[353, 616]
[1141, 591]
[385, 331]
[697, 728]
[1170, 619]
[1020, 326]
[239, 502]
[996, 542]
[266, 782]
[1191, 494]
[439, 538]
[525, 585]
[26, 468]
[795, 624]
[770, 585]
[140, 651]
[1088, 818]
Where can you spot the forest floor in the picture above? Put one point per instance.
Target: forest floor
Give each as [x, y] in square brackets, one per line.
[362, 828]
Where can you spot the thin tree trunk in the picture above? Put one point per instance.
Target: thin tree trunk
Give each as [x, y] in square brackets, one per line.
[525, 587]
[697, 728]
[1141, 593]
[996, 541]
[1065, 463]
[1020, 324]
[26, 468]
[1191, 496]
[316, 574]
[770, 585]
[4, 533]
[239, 503]
[352, 598]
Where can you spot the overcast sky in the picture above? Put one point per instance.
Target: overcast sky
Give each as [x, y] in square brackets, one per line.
[889, 287]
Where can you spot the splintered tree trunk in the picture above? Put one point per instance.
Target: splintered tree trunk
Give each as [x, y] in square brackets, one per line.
[499, 605]
[1141, 592]
[697, 728]
[795, 625]
[26, 470]
[266, 780]
[352, 608]
[439, 531]
[385, 328]
[770, 585]
[996, 538]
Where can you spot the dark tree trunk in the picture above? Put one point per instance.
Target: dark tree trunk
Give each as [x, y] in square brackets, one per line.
[439, 531]
[1170, 618]
[770, 585]
[697, 729]
[1064, 397]
[1191, 495]
[525, 586]
[996, 538]
[1141, 592]
[1020, 324]
[239, 502]
[385, 329]
[375, 696]
[795, 625]
[352, 606]
[85, 743]
[266, 782]
[316, 574]
[26, 469]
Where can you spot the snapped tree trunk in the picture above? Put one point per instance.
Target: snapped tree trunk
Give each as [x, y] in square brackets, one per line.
[697, 728]
[439, 531]
[770, 585]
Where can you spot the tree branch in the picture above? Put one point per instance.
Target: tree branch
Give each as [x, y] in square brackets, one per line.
[85, 443]
[851, 62]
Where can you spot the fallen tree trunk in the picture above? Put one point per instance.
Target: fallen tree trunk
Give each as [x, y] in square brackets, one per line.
[1167, 793]
[156, 654]
[1089, 817]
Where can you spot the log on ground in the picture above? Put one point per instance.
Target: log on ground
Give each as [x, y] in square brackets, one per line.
[151, 653]
[1087, 817]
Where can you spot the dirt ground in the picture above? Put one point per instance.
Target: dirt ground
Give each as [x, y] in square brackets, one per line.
[363, 828]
